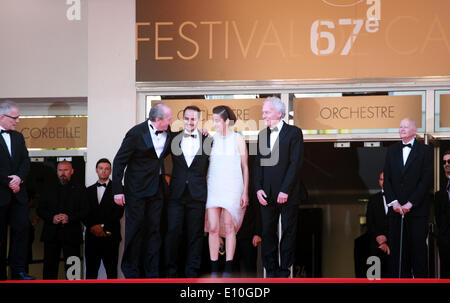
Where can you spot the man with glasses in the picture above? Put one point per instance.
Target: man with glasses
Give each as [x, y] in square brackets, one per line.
[442, 214]
[14, 168]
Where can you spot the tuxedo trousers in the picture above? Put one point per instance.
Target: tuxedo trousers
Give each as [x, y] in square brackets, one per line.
[414, 246]
[269, 246]
[188, 215]
[15, 215]
[99, 249]
[141, 255]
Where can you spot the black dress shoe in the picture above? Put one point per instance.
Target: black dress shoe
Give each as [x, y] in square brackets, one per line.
[22, 276]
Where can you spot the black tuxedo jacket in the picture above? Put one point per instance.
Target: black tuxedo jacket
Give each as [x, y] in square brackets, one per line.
[137, 154]
[76, 207]
[442, 214]
[194, 176]
[107, 212]
[411, 182]
[279, 170]
[377, 222]
[18, 164]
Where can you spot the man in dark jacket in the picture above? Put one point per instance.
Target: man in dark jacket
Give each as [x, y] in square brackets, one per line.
[442, 214]
[102, 225]
[63, 207]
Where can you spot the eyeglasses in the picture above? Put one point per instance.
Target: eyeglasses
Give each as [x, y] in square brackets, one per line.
[446, 162]
[14, 118]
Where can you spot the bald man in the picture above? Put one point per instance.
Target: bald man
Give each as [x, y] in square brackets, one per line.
[408, 176]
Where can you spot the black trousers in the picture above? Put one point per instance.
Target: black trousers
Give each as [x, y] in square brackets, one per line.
[444, 258]
[245, 258]
[16, 215]
[98, 249]
[414, 247]
[141, 254]
[189, 213]
[52, 254]
[269, 246]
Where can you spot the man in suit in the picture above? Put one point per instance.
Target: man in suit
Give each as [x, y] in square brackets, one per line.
[377, 227]
[277, 184]
[142, 153]
[442, 214]
[63, 207]
[408, 176]
[188, 193]
[102, 225]
[14, 168]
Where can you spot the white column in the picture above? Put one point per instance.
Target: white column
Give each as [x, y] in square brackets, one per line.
[111, 79]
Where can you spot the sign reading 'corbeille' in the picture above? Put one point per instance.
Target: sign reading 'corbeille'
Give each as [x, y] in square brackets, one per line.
[356, 112]
[59, 132]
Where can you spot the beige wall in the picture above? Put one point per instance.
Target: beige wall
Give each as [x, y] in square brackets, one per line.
[43, 53]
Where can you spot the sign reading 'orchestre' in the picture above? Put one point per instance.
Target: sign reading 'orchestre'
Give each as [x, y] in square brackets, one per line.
[59, 132]
[356, 112]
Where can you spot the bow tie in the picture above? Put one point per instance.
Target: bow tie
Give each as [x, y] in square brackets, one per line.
[101, 184]
[5, 131]
[406, 145]
[275, 129]
[189, 135]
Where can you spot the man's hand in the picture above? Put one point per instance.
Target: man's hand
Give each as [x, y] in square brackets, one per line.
[407, 207]
[14, 184]
[382, 244]
[282, 198]
[205, 133]
[119, 199]
[97, 230]
[60, 218]
[256, 240]
[397, 208]
[261, 195]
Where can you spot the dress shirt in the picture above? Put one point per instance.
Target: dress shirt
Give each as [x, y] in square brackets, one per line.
[384, 202]
[407, 150]
[7, 138]
[158, 140]
[190, 146]
[275, 133]
[101, 191]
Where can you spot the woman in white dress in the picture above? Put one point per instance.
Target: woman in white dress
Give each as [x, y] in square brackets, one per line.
[227, 188]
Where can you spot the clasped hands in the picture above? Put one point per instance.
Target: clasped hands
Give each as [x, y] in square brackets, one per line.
[60, 218]
[402, 209]
[14, 184]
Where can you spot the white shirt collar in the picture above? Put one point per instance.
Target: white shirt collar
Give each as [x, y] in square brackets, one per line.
[410, 141]
[279, 125]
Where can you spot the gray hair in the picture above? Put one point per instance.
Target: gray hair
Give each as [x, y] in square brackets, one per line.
[278, 104]
[157, 112]
[6, 106]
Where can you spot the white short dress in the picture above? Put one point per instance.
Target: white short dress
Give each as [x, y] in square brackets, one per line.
[225, 181]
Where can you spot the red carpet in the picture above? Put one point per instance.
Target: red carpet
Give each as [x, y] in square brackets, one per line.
[244, 280]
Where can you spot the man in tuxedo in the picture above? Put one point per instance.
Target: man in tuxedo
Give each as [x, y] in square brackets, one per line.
[442, 215]
[377, 227]
[102, 225]
[408, 176]
[142, 153]
[277, 184]
[63, 207]
[188, 191]
[14, 168]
